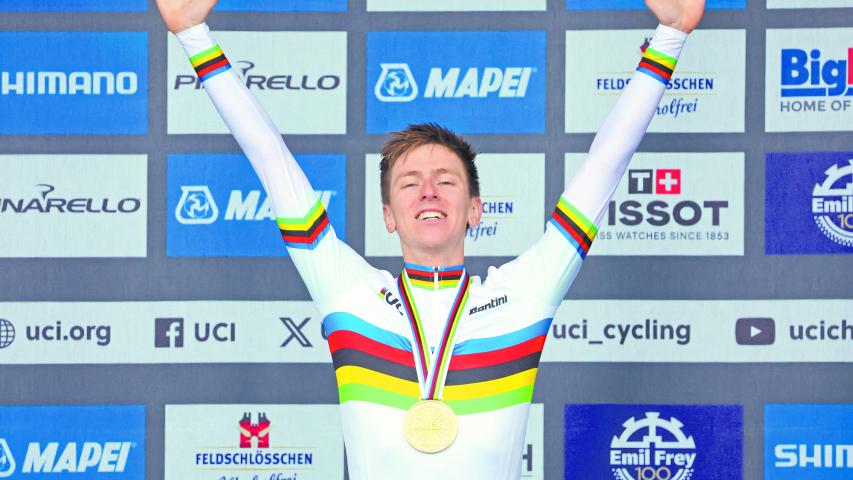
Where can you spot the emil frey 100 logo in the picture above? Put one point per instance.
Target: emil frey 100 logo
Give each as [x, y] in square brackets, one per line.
[652, 448]
[832, 204]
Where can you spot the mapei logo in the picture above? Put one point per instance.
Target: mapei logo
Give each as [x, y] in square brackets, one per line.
[197, 206]
[70, 457]
[660, 210]
[254, 435]
[807, 74]
[396, 83]
[652, 448]
[832, 204]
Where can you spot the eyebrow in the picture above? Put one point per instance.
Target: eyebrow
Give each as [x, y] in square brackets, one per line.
[418, 174]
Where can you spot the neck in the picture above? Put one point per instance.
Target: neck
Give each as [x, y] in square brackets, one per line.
[434, 259]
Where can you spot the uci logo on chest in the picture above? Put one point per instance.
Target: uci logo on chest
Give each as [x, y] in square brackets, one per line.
[391, 300]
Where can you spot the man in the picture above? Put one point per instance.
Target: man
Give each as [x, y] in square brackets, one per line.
[435, 368]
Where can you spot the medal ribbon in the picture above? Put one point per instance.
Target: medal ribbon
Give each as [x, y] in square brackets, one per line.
[432, 379]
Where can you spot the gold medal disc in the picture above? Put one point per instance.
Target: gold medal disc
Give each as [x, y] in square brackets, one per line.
[430, 426]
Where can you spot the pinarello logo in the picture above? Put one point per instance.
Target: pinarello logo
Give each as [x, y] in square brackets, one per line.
[257, 432]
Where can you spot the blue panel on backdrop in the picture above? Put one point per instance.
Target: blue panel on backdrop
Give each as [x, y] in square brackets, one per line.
[73, 5]
[475, 82]
[64, 443]
[639, 5]
[638, 442]
[282, 5]
[808, 442]
[74, 82]
[231, 214]
[808, 205]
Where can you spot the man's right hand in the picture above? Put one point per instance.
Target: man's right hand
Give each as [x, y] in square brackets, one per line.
[180, 15]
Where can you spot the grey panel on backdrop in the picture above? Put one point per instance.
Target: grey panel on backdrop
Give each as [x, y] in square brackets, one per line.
[754, 276]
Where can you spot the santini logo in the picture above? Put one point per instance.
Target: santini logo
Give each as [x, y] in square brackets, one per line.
[396, 83]
[495, 302]
[74, 83]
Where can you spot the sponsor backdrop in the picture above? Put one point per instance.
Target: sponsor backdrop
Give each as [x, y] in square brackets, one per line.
[150, 328]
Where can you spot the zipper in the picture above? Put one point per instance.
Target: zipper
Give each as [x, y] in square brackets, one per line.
[435, 278]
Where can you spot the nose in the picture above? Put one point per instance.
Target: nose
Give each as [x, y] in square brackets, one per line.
[428, 190]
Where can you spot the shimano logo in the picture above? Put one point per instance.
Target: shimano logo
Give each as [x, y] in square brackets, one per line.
[813, 456]
[396, 83]
[45, 203]
[281, 81]
[73, 83]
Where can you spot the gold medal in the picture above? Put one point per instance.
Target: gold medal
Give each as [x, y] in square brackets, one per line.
[430, 426]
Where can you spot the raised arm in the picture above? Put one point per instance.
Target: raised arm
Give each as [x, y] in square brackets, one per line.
[548, 269]
[327, 265]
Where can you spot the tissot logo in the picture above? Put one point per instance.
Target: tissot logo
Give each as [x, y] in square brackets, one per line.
[295, 331]
[169, 332]
[662, 181]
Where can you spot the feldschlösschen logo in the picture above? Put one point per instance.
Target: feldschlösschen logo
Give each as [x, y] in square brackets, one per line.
[652, 448]
[832, 204]
[653, 442]
[255, 435]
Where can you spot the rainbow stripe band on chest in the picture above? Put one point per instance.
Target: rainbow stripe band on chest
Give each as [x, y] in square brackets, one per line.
[657, 65]
[210, 63]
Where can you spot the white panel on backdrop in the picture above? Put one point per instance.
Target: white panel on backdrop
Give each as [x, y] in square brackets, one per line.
[163, 332]
[701, 331]
[298, 77]
[512, 186]
[809, 3]
[533, 454]
[809, 80]
[673, 204]
[454, 5]
[706, 93]
[210, 442]
[73, 205]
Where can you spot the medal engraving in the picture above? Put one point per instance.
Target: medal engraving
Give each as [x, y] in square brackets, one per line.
[430, 426]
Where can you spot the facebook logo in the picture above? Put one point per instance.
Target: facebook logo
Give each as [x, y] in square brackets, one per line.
[168, 332]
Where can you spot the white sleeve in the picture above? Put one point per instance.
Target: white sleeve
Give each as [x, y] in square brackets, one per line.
[327, 265]
[549, 267]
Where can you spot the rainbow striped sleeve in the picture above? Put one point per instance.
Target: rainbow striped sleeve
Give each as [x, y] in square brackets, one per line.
[305, 232]
[209, 63]
[657, 65]
[578, 230]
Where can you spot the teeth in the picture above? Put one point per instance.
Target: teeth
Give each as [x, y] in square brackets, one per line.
[430, 215]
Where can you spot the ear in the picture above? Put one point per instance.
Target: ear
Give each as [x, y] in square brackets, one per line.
[390, 225]
[475, 212]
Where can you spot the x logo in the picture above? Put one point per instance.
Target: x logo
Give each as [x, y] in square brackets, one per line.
[296, 331]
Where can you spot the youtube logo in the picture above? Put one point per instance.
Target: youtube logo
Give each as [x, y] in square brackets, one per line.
[755, 331]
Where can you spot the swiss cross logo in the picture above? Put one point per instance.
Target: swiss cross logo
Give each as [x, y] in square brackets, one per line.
[668, 181]
[661, 181]
[257, 432]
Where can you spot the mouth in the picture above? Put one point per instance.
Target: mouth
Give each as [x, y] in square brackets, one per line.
[430, 216]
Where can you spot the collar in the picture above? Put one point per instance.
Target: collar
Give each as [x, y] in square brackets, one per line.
[433, 278]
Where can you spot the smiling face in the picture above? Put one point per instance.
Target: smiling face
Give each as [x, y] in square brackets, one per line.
[430, 205]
